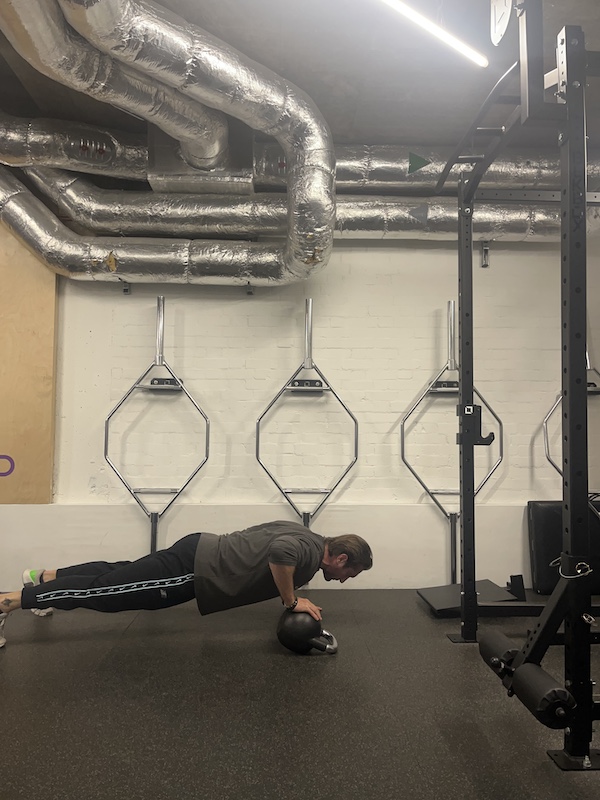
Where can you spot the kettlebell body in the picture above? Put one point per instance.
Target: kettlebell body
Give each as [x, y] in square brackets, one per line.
[300, 632]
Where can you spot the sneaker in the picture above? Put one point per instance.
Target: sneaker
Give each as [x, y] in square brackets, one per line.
[3, 617]
[31, 577]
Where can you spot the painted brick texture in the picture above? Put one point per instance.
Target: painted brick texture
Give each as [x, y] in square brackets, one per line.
[379, 336]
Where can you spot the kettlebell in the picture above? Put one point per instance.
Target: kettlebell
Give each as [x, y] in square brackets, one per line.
[300, 632]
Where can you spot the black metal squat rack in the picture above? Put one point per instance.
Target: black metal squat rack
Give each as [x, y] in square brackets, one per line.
[572, 707]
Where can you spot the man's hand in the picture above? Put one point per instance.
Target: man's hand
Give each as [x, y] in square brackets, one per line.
[305, 605]
[283, 576]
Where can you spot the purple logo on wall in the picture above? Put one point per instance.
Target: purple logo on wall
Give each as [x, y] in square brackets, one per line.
[11, 466]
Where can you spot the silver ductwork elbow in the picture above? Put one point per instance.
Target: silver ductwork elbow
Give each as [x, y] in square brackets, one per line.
[206, 69]
[135, 260]
[38, 32]
[209, 72]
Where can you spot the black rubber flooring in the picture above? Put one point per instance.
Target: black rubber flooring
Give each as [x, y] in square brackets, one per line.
[170, 706]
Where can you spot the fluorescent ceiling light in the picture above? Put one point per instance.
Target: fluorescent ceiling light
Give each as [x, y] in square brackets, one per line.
[435, 30]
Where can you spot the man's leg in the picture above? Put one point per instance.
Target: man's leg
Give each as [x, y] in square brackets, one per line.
[89, 568]
[159, 580]
[9, 601]
[33, 577]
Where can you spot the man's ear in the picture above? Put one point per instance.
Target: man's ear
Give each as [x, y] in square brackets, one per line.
[342, 559]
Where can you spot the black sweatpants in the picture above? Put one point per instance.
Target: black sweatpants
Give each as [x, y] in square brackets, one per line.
[159, 580]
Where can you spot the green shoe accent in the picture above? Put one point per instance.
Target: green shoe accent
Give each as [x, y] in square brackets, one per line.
[32, 577]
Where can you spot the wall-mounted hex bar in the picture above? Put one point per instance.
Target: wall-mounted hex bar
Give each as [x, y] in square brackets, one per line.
[593, 387]
[437, 386]
[308, 386]
[172, 384]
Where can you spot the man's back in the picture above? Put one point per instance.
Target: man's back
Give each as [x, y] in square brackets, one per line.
[233, 569]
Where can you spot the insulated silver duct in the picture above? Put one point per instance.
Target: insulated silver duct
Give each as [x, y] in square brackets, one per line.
[38, 32]
[72, 145]
[359, 168]
[203, 67]
[131, 213]
[219, 76]
[135, 260]
[395, 168]
[142, 213]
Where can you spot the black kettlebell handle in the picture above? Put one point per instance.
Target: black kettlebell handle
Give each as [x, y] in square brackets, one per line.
[330, 646]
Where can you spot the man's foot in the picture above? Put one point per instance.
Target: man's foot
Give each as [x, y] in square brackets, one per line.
[2, 621]
[33, 577]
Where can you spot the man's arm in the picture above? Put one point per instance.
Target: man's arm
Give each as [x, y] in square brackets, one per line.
[283, 575]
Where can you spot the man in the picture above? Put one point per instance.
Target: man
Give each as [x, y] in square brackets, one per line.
[220, 572]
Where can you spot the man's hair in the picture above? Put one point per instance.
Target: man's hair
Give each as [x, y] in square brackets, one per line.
[358, 551]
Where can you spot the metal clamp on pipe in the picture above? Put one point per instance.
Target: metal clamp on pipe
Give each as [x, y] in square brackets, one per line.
[498, 652]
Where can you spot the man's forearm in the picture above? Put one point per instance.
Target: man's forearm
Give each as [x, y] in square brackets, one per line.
[283, 575]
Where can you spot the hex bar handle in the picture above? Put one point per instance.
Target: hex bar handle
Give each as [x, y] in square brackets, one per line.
[325, 492]
[140, 386]
[135, 492]
[157, 490]
[403, 422]
[545, 422]
[451, 365]
[500, 458]
[307, 364]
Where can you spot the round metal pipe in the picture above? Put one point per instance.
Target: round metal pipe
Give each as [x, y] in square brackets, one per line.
[308, 362]
[160, 331]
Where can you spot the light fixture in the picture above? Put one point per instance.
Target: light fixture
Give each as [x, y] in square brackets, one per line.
[439, 33]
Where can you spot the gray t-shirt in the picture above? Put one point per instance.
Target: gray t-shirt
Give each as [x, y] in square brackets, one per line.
[233, 569]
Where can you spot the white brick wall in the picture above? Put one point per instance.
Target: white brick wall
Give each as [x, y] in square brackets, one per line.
[379, 335]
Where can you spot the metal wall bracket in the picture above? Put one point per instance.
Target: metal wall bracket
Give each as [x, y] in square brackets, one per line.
[485, 255]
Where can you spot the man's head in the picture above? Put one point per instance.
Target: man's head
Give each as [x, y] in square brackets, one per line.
[345, 557]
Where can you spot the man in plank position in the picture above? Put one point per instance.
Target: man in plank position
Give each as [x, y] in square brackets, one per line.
[218, 571]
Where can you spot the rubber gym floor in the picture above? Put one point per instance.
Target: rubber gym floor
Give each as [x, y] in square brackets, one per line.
[170, 705]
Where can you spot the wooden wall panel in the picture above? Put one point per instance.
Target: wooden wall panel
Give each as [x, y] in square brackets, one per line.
[27, 374]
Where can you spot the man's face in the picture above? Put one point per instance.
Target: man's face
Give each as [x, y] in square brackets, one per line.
[338, 569]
